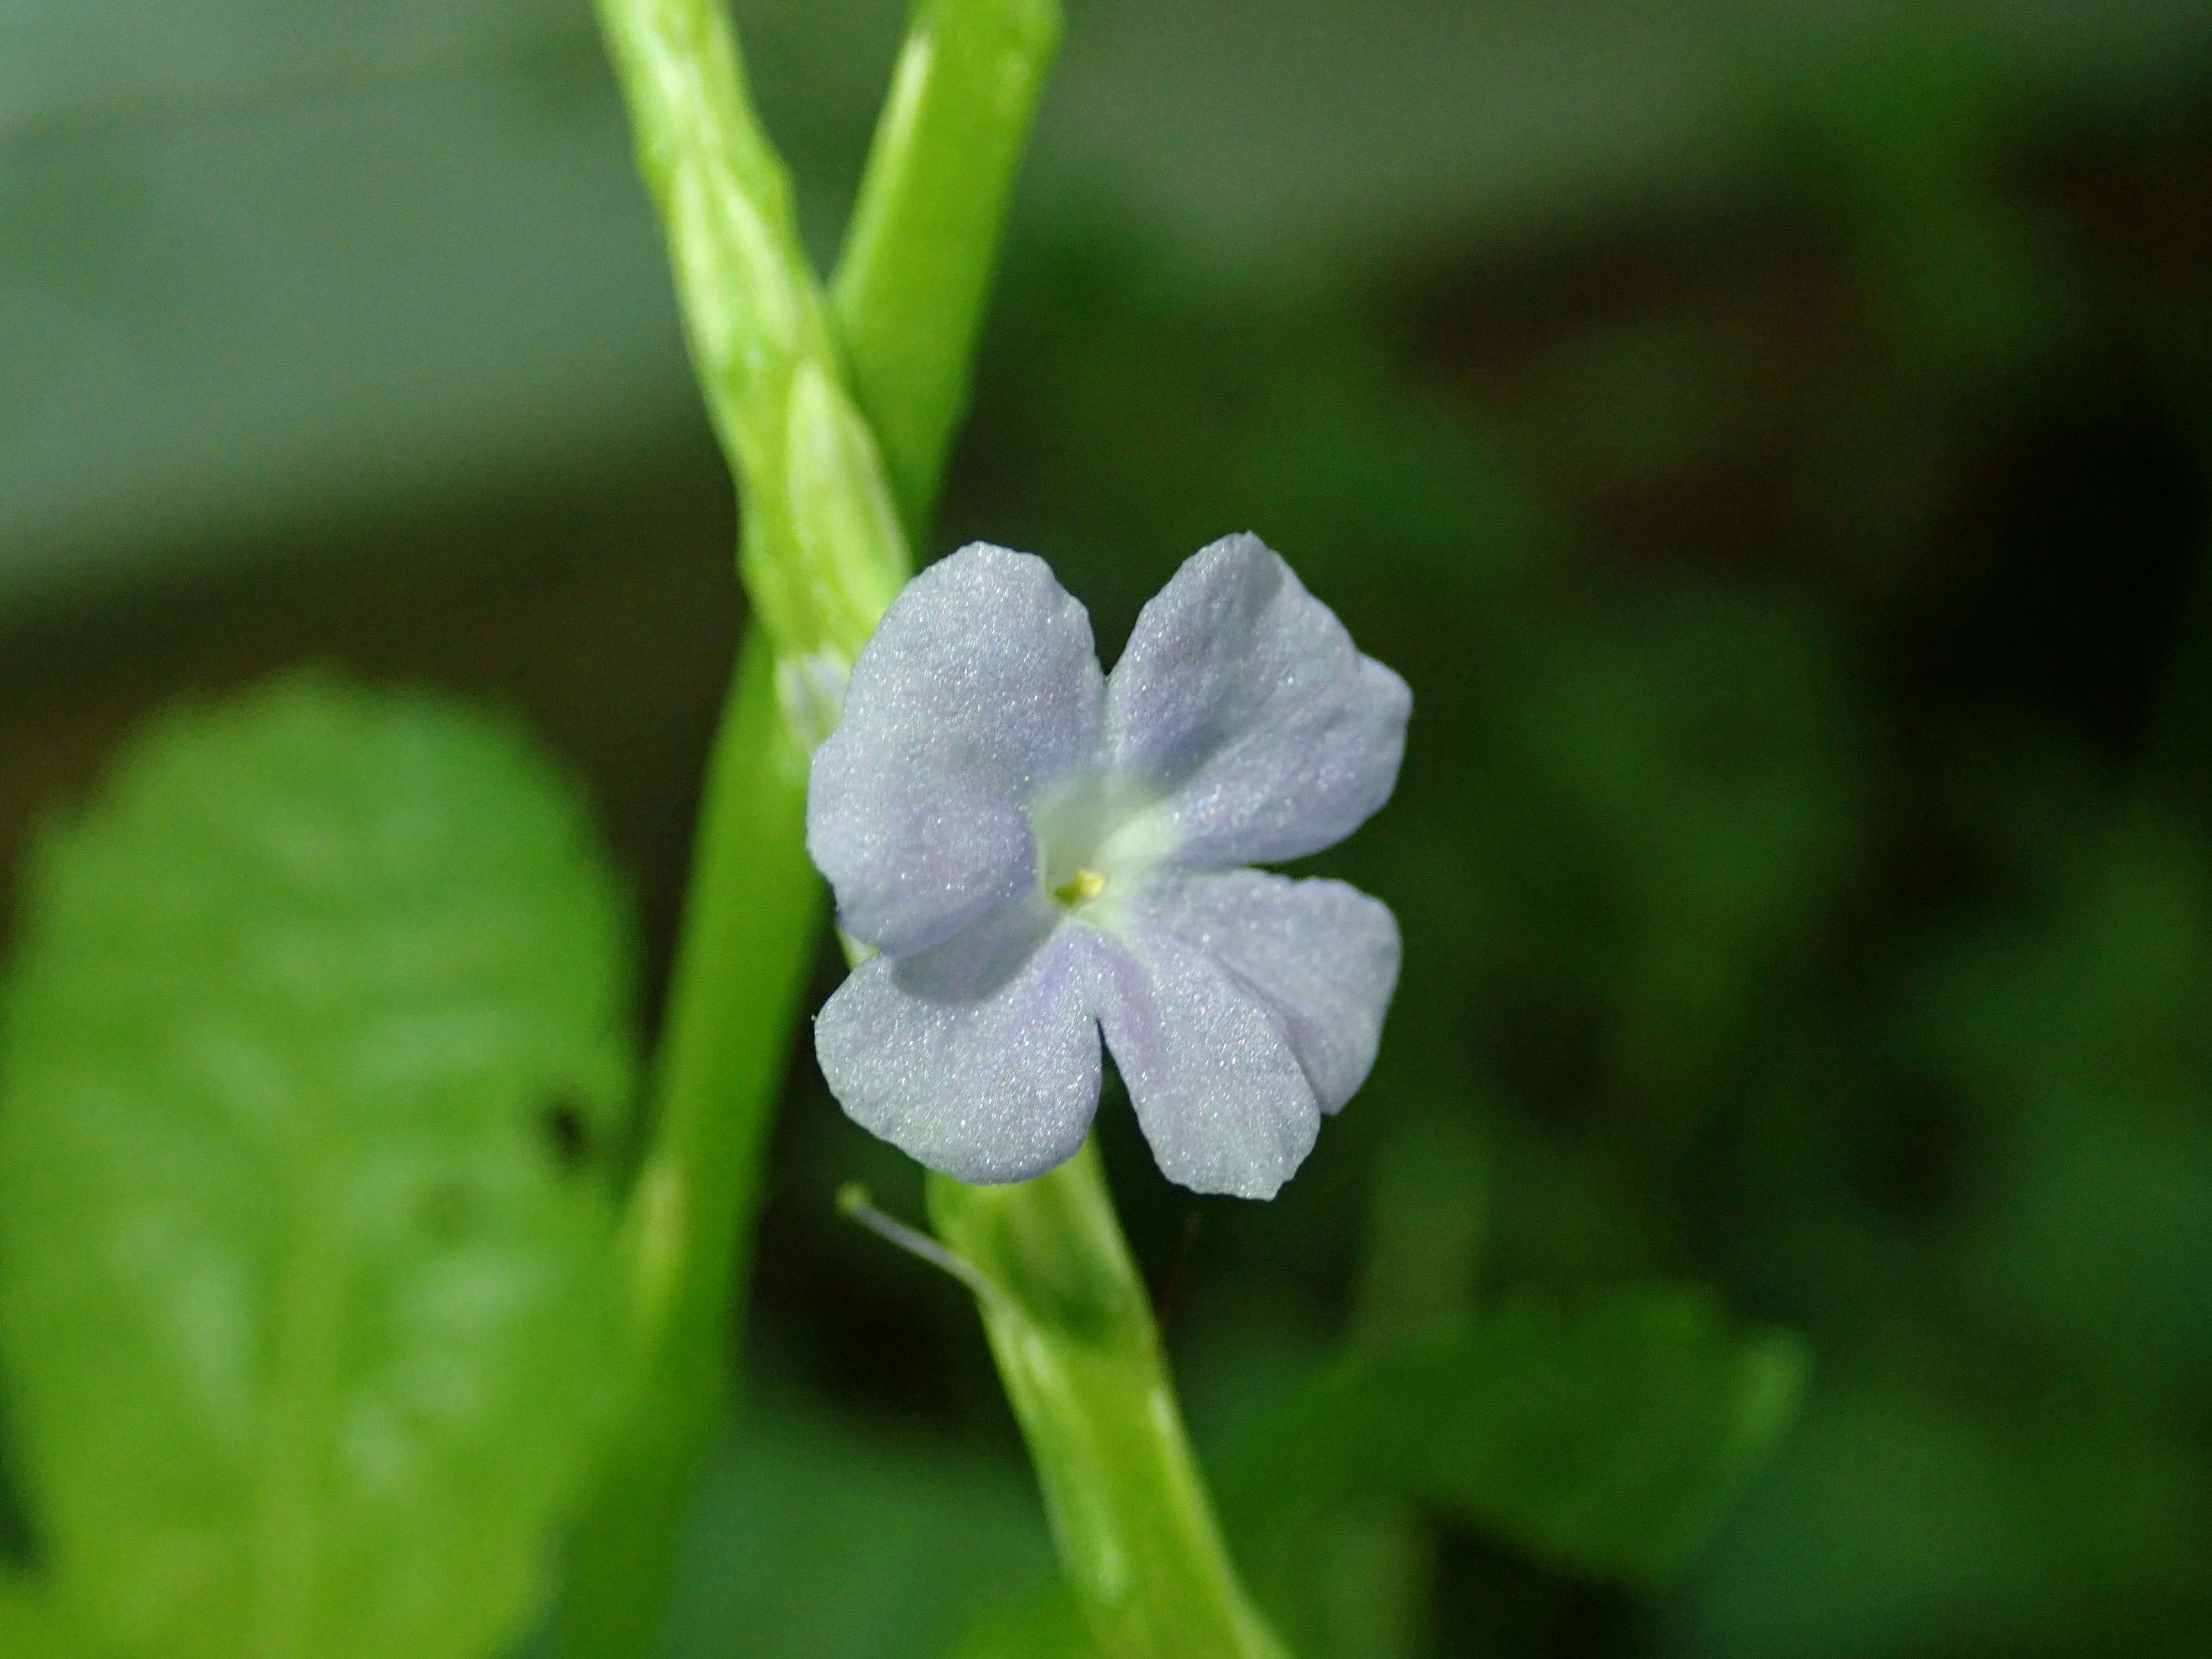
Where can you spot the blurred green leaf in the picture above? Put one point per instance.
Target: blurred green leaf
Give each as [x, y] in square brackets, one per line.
[319, 1024]
[1046, 1626]
[1426, 1220]
[1365, 1585]
[1897, 1522]
[1656, 807]
[1606, 1439]
[1699, 747]
[813, 1538]
[32, 1628]
[2079, 1037]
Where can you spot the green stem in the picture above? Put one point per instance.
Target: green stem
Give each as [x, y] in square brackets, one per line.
[819, 564]
[1072, 1331]
[916, 268]
[825, 550]
[754, 914]
[823, 553]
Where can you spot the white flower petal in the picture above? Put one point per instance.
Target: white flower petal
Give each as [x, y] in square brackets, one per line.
[1242, 700]
[914, 849]
[1324, 956]
[979, 689]
[1218, 1087]
[979, 1058]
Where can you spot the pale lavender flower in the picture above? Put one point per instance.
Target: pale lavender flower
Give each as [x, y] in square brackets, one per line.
[1037, 849]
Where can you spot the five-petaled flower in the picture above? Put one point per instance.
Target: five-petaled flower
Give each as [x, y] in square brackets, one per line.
[1037, 849]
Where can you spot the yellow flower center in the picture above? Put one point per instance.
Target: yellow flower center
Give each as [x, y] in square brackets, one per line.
[1080, 888]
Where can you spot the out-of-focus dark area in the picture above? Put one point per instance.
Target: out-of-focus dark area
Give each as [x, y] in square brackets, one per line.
[1773, 442]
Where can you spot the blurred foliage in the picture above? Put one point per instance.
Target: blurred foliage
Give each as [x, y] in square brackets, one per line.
[31, 1624]
[1802, 853]
[813, 1536]
[1606, 1438]
[315, 1043]
[1801, 863]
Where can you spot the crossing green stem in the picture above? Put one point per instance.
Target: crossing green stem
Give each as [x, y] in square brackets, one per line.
[822, 553]
[835, 416]
[916, 270]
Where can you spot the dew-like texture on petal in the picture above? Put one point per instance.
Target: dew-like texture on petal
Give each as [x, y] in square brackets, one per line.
[1219, 1090]
[979, 1058]
[916, 848]
[1242, 700]
[1324, 956]
[980, 687]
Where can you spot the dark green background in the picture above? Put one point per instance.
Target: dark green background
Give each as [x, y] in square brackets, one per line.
[1772, 445]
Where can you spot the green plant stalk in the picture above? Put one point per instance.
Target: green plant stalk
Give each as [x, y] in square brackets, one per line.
[823, 551]
[754, 911]
[916, 272]
[820, 562]
[1072, 1329]
[1069, 1322]
[821, 555]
